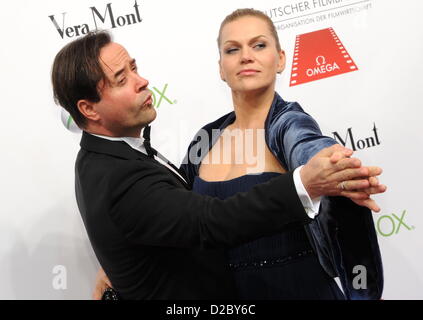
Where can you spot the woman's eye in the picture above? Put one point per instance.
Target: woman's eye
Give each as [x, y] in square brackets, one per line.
[260, 45]
[231, 50]
[122, 81]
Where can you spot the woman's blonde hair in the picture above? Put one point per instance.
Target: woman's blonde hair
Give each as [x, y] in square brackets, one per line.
[247, 12]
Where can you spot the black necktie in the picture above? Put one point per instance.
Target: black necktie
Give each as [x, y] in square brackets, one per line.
[146, 135]
[151, 152]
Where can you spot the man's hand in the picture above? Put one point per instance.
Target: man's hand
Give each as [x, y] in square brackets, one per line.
[374, 188]
[102, 282]
[332, 172]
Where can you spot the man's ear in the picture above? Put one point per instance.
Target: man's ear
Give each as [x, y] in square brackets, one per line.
[88, 110]
[221, 72]
[282, 61]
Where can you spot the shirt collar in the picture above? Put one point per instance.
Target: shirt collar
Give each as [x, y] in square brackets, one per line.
[134, 143]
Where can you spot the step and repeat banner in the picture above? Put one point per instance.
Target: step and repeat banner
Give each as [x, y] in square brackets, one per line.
[355, 66]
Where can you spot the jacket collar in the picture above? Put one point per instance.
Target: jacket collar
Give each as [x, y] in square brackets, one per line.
[115, 148]
[278, 106]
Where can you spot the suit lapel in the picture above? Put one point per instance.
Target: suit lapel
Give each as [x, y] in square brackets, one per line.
[121, 149]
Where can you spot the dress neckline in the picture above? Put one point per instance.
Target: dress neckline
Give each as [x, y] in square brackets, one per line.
[240, 177]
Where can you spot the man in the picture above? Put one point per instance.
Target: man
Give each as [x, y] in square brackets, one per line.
[154, 237]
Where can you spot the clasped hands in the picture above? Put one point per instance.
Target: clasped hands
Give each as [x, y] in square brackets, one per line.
[332, 172]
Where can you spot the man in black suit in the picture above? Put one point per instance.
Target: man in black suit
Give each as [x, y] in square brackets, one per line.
[154, 238]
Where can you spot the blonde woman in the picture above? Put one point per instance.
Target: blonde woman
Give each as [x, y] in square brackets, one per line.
[300, 263]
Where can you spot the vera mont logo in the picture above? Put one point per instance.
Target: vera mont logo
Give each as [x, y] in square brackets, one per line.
[104, 18]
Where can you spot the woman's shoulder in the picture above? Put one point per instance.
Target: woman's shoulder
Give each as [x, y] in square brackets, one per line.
[205, 134]
[282, 107]
[287, 113]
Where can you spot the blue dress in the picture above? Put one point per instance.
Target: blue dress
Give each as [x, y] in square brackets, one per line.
[281, 266]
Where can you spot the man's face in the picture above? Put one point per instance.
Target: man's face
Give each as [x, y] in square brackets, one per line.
[126, 105]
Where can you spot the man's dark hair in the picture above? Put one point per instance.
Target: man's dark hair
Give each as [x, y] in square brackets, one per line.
[77, 71]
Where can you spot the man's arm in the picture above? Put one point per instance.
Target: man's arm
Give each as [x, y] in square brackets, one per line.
[152, 211]
[155, 212]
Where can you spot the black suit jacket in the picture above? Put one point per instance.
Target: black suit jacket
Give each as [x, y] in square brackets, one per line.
[154, 237]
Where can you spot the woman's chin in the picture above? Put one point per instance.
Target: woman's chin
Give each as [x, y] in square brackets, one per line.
[254, 89]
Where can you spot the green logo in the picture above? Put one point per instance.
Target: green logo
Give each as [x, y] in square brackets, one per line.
[388, 225]
[69, 122]
[161, 96]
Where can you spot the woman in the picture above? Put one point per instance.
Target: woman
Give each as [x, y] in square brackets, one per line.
[284, 266]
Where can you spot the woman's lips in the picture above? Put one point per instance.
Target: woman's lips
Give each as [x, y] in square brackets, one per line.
[248, 72]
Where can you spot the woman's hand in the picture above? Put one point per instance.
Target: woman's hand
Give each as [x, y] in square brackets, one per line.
[102, 282]
[374, 186]
[332, 172]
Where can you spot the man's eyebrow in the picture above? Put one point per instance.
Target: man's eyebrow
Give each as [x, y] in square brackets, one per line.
[118, 73]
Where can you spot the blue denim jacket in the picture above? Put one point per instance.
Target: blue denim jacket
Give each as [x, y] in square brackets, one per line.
[343, 234]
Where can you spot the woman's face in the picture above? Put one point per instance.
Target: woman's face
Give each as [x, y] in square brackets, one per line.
[249, 59]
